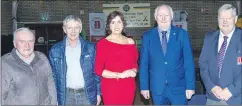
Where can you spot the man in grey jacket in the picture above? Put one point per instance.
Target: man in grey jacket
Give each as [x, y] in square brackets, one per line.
[26, 74]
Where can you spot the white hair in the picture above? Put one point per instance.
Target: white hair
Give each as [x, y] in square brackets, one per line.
[23, 29]
[71, 18]
[226, 7]
[169, 7]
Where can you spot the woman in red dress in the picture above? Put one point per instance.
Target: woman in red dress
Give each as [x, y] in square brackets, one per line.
[116, 63]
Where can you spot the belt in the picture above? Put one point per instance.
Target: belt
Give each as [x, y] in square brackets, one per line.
[80, 90]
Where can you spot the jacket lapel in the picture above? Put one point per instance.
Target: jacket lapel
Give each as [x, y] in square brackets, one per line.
[83, 52]
[63, 48]
[215, 44]
[171, 41]
[232, 48]
[214, 53]
[156, 40]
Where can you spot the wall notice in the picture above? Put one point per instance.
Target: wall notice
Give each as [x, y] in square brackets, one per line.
[136, 15]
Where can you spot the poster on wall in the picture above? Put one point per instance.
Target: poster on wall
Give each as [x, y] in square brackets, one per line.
[97, 24]
[136, 15]
[180, 19]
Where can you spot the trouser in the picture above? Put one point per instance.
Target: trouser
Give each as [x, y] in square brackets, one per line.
[76, 97]
[168, 98]
[212, 102]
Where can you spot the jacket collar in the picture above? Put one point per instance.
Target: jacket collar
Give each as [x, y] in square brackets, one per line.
[217, 33]
[64, 41]
[171, 29]
[20, 61]
[82, 41]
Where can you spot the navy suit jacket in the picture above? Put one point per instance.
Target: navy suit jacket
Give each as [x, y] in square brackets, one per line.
[176, 67]
[231, 71]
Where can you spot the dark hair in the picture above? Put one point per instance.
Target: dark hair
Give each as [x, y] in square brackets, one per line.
[110, 17]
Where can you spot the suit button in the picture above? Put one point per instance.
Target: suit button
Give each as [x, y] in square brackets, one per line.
[166, 83]
[165, 62]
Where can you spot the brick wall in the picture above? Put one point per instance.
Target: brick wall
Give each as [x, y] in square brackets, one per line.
[6, 15]
[202, 15]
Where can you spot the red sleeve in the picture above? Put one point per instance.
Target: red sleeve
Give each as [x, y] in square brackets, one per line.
[100, 59]
[136, 55]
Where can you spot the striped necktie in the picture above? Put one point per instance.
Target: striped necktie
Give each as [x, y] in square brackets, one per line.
[221, 54]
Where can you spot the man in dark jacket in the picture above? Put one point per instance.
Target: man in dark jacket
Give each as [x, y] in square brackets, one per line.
[26, 74]
[72, 61]
[220, 60]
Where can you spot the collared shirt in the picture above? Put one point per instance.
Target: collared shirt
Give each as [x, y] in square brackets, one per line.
[74, 76]
[221, 39]
[26, 60]
[167, 34]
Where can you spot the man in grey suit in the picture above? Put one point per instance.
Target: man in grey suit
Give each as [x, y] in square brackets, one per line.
[220, 60]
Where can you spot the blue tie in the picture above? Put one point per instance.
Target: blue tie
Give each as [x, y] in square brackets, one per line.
[164, 41]
[221, 54]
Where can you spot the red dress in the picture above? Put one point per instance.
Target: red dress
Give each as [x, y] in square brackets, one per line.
[116, 58]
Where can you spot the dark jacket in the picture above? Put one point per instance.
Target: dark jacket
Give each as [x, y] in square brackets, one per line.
[24, 84]
[59, 67]
[230, 76]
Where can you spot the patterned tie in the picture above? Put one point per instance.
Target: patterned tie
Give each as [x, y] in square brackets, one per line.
[164, 41]
[221, 54]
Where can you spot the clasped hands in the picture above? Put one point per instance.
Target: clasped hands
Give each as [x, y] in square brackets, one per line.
[127, 73]
[222, 94]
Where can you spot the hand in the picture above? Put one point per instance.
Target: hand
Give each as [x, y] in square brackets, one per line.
[216, 90]
[189, 93]
[98, 100]
[225, 94]
[124, 74]
[145, 93]
[132, 73]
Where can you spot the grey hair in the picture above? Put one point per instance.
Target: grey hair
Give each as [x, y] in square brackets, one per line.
[71, 18]
[169, 7]
[24, 29]
[228, 7]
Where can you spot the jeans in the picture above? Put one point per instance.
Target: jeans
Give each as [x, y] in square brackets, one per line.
[76, 98]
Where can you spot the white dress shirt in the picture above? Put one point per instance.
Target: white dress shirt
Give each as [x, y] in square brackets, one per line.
[221, 39]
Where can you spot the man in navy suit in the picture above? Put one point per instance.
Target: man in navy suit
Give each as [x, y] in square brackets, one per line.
[220, 60]
[166, 62]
